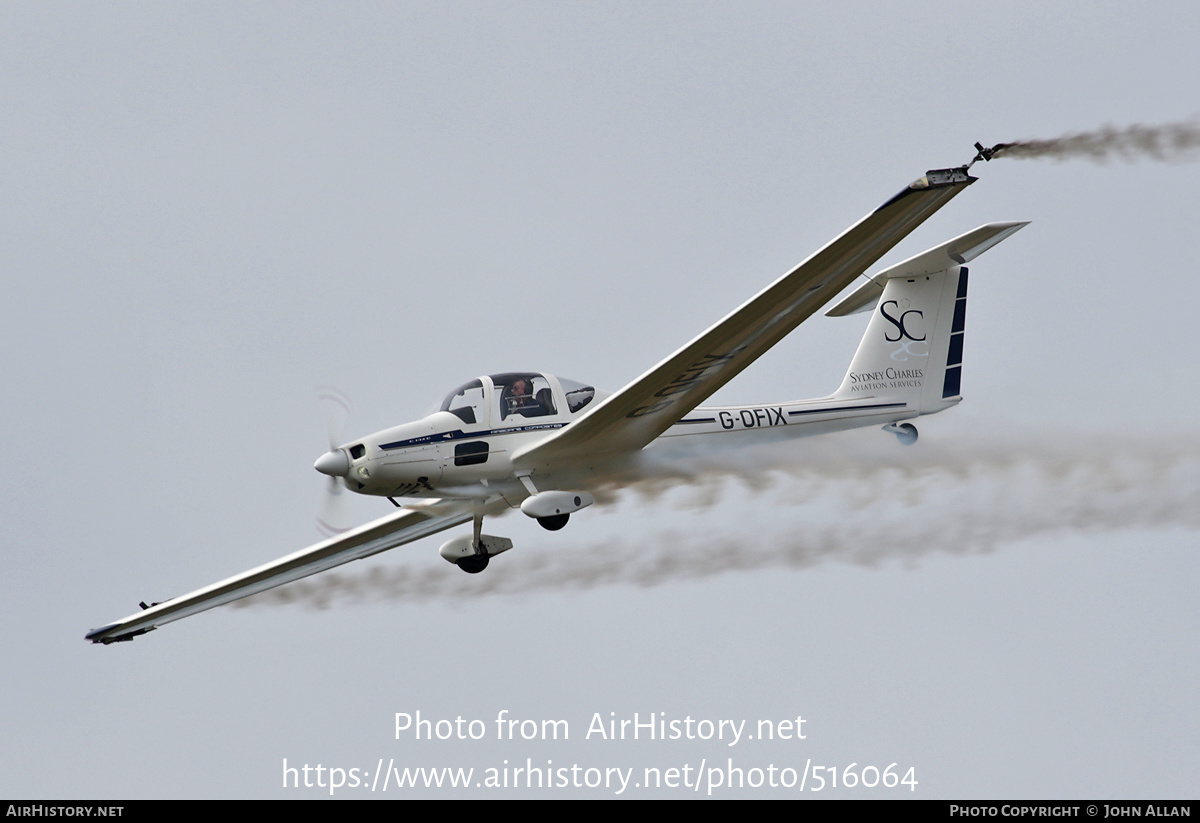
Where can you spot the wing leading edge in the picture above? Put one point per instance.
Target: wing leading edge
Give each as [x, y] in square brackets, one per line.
[633, 417]
[388, 532]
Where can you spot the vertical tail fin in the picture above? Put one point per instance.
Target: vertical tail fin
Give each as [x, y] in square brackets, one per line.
[913, 347]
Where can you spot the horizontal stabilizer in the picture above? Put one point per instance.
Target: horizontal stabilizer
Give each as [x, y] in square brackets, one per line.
[960, 250]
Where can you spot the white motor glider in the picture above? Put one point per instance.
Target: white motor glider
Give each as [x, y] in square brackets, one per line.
[537, 442]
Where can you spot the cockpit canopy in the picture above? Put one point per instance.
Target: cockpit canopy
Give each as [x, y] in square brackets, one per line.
[504, 399]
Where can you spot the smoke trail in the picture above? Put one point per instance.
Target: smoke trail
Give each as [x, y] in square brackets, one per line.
[1170, 142]
[833, 502]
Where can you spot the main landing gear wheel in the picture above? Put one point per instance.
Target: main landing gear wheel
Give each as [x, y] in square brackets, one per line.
[554, 522]
[474, 564]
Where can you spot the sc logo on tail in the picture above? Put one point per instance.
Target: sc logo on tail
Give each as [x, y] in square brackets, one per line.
[903, 335]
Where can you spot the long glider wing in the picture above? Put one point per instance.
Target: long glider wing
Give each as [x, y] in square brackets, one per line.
[396, 529]
[633, 417]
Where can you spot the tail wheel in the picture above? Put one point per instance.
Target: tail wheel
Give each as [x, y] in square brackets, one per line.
[474, 564]
[554, 522]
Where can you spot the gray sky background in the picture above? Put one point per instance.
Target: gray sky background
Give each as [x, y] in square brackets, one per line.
[211, 209]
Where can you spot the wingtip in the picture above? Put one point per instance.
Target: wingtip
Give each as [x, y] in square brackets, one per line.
[96, 635]
[102, 634]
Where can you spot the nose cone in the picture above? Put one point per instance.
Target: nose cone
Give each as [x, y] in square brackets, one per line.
[335, 463]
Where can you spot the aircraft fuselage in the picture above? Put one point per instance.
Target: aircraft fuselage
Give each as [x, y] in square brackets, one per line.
[444, 456]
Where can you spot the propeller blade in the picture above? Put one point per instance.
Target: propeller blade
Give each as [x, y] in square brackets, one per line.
[333, 517]
[335, 408]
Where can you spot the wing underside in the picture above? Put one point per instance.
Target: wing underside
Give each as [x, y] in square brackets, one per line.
[388, 532]
[637, 414]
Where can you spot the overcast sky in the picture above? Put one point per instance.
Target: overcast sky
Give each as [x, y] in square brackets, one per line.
[212, 209]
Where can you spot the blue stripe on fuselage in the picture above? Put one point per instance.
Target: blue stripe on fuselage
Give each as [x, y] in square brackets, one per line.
[459, 434]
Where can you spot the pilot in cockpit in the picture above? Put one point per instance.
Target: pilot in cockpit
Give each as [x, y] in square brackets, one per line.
[518, 398]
